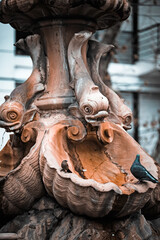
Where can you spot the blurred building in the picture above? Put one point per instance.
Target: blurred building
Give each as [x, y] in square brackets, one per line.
[134, 70]
[14, 68]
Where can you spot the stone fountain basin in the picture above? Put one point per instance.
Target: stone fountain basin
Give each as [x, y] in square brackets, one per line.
[105, 152]
[107, 185]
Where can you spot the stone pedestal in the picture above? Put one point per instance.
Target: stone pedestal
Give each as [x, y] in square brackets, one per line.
[70, 137]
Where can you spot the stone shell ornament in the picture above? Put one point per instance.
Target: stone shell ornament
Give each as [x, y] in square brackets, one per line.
[106, 186]
[22, 185]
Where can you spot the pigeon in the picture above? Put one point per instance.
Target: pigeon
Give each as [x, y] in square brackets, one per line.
[140, 172]
[65, 167]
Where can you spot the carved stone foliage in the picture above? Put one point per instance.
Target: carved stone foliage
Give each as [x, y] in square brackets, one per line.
[69, 128]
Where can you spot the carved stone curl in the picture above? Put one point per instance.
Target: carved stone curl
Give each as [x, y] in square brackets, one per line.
[76, 131]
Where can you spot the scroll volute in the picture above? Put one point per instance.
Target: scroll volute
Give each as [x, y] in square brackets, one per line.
[105, 132]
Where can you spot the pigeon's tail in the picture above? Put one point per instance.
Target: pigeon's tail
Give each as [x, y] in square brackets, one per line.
[152, 179]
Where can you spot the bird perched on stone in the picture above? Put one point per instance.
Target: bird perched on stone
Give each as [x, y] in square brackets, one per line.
[65, 167]
[140, 172]
[81, 172]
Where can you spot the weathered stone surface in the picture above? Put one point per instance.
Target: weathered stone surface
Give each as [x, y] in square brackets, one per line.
[23, 14]
[37, 223]
[64, 111]
[47, 220]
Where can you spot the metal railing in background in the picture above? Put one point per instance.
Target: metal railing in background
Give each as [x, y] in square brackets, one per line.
[149, 42]
[148, 45]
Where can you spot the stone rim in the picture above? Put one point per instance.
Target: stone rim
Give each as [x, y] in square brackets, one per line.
[22, 15]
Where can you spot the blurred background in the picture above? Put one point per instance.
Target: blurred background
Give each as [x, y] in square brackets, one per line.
[132, 69]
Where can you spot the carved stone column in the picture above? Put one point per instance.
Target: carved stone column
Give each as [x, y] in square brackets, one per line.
[64, 111]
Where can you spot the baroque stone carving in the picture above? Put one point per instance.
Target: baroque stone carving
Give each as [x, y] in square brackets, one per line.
[64, 111]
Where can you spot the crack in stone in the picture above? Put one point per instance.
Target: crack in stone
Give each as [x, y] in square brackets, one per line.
[122, 170]
[97, 168]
